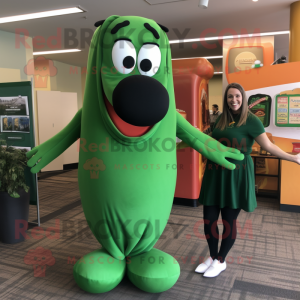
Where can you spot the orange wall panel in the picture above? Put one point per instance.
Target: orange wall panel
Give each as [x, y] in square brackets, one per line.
[290, 187]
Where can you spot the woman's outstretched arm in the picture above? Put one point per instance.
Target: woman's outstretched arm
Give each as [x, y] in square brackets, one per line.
[266, 144]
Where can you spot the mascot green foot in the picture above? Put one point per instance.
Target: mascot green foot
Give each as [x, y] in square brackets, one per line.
[154, 271]
[99, 272]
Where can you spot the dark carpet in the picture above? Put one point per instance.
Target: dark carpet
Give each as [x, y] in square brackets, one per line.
[264, 263]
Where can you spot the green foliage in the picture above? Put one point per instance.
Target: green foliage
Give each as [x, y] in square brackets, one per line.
[12, 165]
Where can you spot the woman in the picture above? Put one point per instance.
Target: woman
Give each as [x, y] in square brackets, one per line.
[229, 191]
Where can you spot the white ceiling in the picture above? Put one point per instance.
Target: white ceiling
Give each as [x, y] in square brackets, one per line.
[264, 15]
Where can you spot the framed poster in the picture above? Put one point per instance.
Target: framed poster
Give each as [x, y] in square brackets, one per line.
[17, 105]
[287, 111]
[260, 105]
[20, 124]
[6, 124]
[15, 124]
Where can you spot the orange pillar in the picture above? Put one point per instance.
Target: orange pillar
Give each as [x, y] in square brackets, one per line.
[294, 53]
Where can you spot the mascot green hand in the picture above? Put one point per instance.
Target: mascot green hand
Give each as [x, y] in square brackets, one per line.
[127, 161]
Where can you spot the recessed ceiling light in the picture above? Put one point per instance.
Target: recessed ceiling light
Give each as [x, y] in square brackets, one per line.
[44, 14]
[254, 0]
[215, 38]
[213, 57]
[203, 3]
[55, 52]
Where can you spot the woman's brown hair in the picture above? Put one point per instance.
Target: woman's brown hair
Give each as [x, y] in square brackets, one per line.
[227, 116]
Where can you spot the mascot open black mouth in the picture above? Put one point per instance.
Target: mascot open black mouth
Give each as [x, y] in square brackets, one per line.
[128, 126]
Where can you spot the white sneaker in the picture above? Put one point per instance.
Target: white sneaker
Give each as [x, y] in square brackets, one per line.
[204, 266]
[215, 269]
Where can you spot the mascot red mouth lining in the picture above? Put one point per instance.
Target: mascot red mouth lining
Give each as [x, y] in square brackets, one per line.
[124, 127]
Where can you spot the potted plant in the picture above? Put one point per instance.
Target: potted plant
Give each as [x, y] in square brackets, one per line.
[14, 195]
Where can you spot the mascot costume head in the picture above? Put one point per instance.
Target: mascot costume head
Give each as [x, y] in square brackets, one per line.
[127, 162]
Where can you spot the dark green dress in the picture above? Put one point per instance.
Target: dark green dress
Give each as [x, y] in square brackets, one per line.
[234, 189]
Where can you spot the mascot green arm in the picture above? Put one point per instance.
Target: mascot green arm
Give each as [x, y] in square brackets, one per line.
[206, 145]
[43, 154]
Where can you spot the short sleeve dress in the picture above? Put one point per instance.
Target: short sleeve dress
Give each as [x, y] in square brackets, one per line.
[233, 188]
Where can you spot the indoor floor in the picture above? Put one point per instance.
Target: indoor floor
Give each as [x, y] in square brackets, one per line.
[264, 263]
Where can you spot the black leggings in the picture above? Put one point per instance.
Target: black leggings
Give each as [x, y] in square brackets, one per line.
[229, 217]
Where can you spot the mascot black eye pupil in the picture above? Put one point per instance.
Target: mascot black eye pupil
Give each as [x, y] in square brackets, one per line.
[128, 62]
[146, 65]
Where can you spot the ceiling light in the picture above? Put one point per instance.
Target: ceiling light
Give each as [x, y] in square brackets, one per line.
[218, 72]
[45, 14]
[213, 57]
[207, 57]
[55, 52]
[215, 38]
[155, 2]
[254, 0]
[203, 3]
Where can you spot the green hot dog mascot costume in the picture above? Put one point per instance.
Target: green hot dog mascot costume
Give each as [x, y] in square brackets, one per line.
[127, 128]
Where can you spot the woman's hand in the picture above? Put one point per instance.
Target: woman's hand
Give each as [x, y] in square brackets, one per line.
[297, 159]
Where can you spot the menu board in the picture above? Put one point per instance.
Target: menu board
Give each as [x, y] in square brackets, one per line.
[294, 110]
[287, 111]
[260, 105]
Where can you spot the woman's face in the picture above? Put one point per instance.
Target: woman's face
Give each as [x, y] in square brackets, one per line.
[234, 99]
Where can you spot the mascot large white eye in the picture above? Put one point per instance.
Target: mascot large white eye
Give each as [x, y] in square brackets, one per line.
[124, 56]
[149, 59]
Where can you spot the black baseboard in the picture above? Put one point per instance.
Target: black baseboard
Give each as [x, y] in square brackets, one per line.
[71, 166]
[290, 208]
[268, 193]
[44, 175]
[186, 202]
